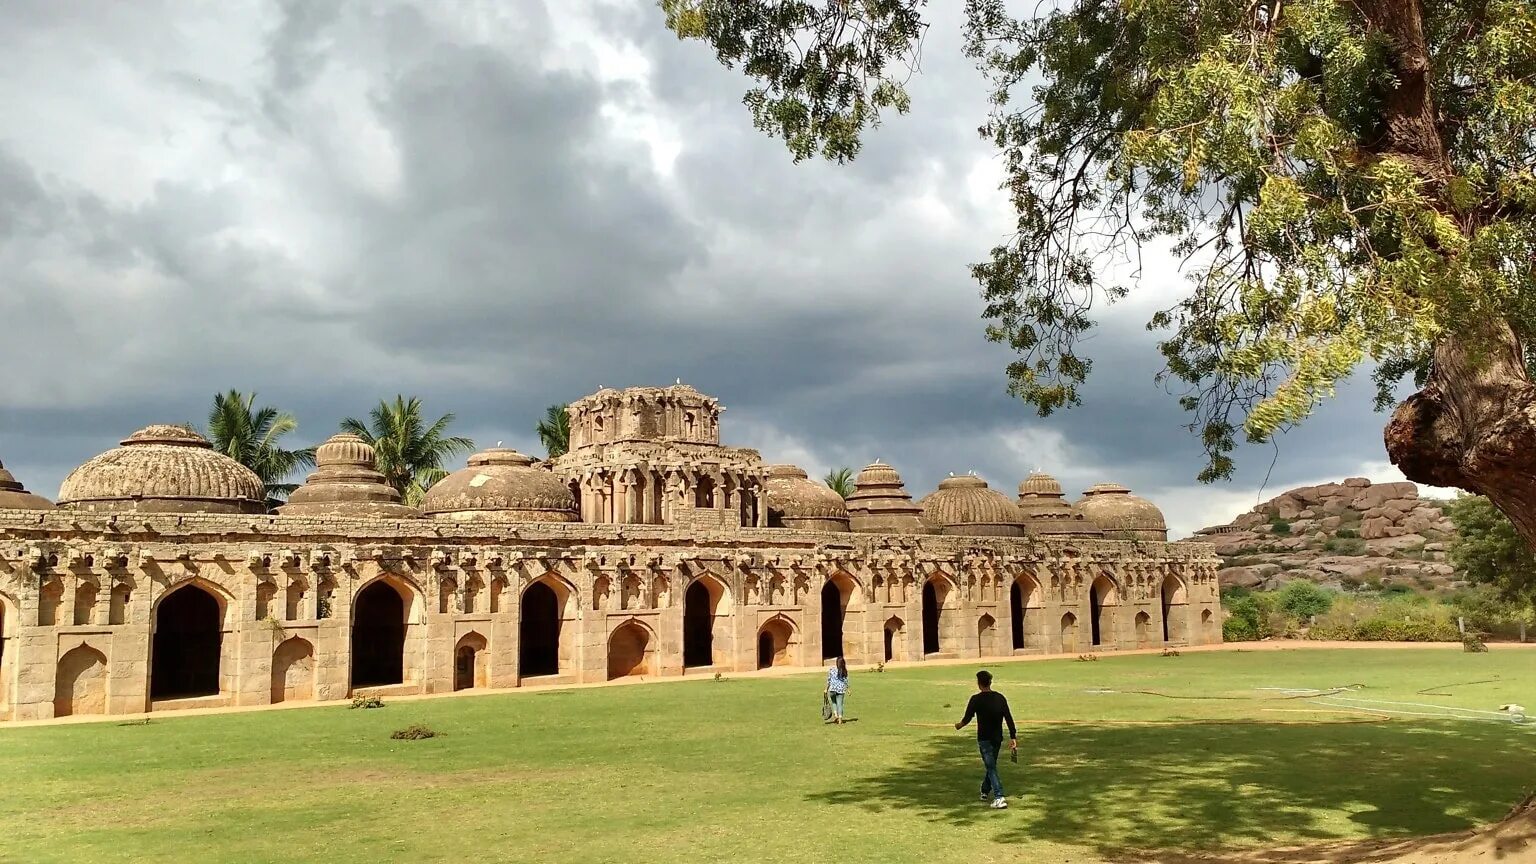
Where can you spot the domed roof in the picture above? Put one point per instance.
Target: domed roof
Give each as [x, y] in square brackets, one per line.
[1122, 515]
[965, 505]
[164, 468]
[501, 484]
[1046, 512]
[346, 483]
[14, 497]
[880, 504]
[796, 501]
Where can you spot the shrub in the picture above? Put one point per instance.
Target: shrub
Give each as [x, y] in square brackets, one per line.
[1248, 618]
[1350, 583]
[1279, 526]
[1473, 644]
[1352, 546]
[367, 702]
[413, 732]
[1301, 600]
[1410, 619]
[1347, 534]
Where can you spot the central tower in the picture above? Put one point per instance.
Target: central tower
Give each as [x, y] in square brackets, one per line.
[652, 456]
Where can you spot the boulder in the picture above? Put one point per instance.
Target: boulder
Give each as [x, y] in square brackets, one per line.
[1388, 545]
[1329, 523]
[1239, 577]
[1374, 527]
[1356, 482]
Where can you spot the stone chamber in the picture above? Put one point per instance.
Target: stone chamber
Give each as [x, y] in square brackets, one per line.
[161, 579]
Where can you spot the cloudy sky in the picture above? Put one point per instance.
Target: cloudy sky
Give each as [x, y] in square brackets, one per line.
[500, 204]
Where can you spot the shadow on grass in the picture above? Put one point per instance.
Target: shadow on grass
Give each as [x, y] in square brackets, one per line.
[1210, 786]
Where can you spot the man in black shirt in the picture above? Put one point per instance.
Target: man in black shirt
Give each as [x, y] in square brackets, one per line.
[990, 710]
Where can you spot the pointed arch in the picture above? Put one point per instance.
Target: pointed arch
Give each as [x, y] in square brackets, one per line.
[986, 636]
[187, 646]
[1175, 608]
[471, 662]
[383, 612]
[80, 682]
[706, 603]
[939, 613]
[1103, 597]
[293, 671]
[1068, 633]
[631, 650]
[895, 639]
[841, 605]
[1143, 623]
[1024, 594]
[775, 639]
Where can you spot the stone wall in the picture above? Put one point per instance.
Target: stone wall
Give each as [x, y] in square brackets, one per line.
[296, 608]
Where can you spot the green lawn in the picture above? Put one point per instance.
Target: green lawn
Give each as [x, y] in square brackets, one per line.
[743, 770]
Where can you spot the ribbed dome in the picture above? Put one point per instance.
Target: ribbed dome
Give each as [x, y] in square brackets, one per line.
[164, 468]
[796, 501]
[880, 504]
[14, 497]
[1122, 515]
[346, 483]
[965, 505]
[1047, 513]
[501, 484]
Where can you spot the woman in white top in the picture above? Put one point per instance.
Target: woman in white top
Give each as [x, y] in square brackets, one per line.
[837, 688]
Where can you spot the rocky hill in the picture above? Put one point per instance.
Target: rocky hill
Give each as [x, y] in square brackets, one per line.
[1345, 535]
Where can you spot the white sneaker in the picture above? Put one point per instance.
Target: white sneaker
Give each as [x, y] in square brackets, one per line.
[1000, 804]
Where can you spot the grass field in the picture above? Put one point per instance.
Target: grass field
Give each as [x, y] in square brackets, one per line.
[744, 770]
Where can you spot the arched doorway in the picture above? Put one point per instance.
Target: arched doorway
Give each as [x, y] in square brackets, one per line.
[933, 610]
[378, 636]
[1208, 627]
[1016, 613]
[698, 625]
[1068, 633]
[893, 644]
[184, 654]
[836, 596]
[80, 684]
[773, 642]
[538, 648]
[629, 650]
[1175, 609]
[1101, 596]
[1143, 629]
[293, 671]
[469, 666]
[986, 631]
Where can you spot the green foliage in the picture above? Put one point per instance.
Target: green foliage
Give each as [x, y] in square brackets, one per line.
[841, 481]
[1249, 615]
[1301, 600]
[1347, 534]
[252, 436]
[367, 702]
[1279, 526]
[1340, 545]
[1408, 618]
[1487, 549]
[409, 453]
[1258, 140]
[827, 69]
[555, 430]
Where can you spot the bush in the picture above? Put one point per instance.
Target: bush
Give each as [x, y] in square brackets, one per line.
[413, 732]
[1248, 617]
[1347, 534]
[367, 702]
[1279, 526]
[1301, 600]
[1411, 619]
[1352, 546]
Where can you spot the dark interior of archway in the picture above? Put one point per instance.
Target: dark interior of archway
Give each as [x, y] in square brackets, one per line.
[930, 619]
[1167, 607]
[464, 668]
[831, 621]
[698, 627]
[890, 644]
[539, 633]
[1016, 611]
[764, 650]
[186, 645]
[1095, 610]
[378, 637]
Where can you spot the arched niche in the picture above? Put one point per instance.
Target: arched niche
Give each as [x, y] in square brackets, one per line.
[940, 614]
[80, 683]
[775, 642]
[1103, 597]
[706, 605]
[631, 650]
[1026, 602]
[293, 671]
[1175, 609]
[842, 608]
[471, 662]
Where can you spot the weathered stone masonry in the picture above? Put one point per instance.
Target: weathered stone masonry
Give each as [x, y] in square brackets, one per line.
[118, 610]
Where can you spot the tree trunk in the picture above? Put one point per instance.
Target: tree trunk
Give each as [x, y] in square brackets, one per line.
[1473, 426]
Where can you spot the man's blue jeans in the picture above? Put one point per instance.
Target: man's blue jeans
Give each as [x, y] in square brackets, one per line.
[991, 784]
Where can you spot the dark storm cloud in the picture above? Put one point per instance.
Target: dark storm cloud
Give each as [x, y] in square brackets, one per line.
[390, 199]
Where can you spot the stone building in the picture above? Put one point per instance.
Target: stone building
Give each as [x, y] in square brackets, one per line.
[159, 580]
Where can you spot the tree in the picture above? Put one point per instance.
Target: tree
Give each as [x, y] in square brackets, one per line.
[251, 436]
[407, 452]
[841, 481]
[555, 430]
[1488, 550]
[1343, 182]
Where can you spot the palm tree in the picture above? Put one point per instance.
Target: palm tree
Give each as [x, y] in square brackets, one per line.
[408, 453]
[555, 430]
[841, 481]
[250, 436]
